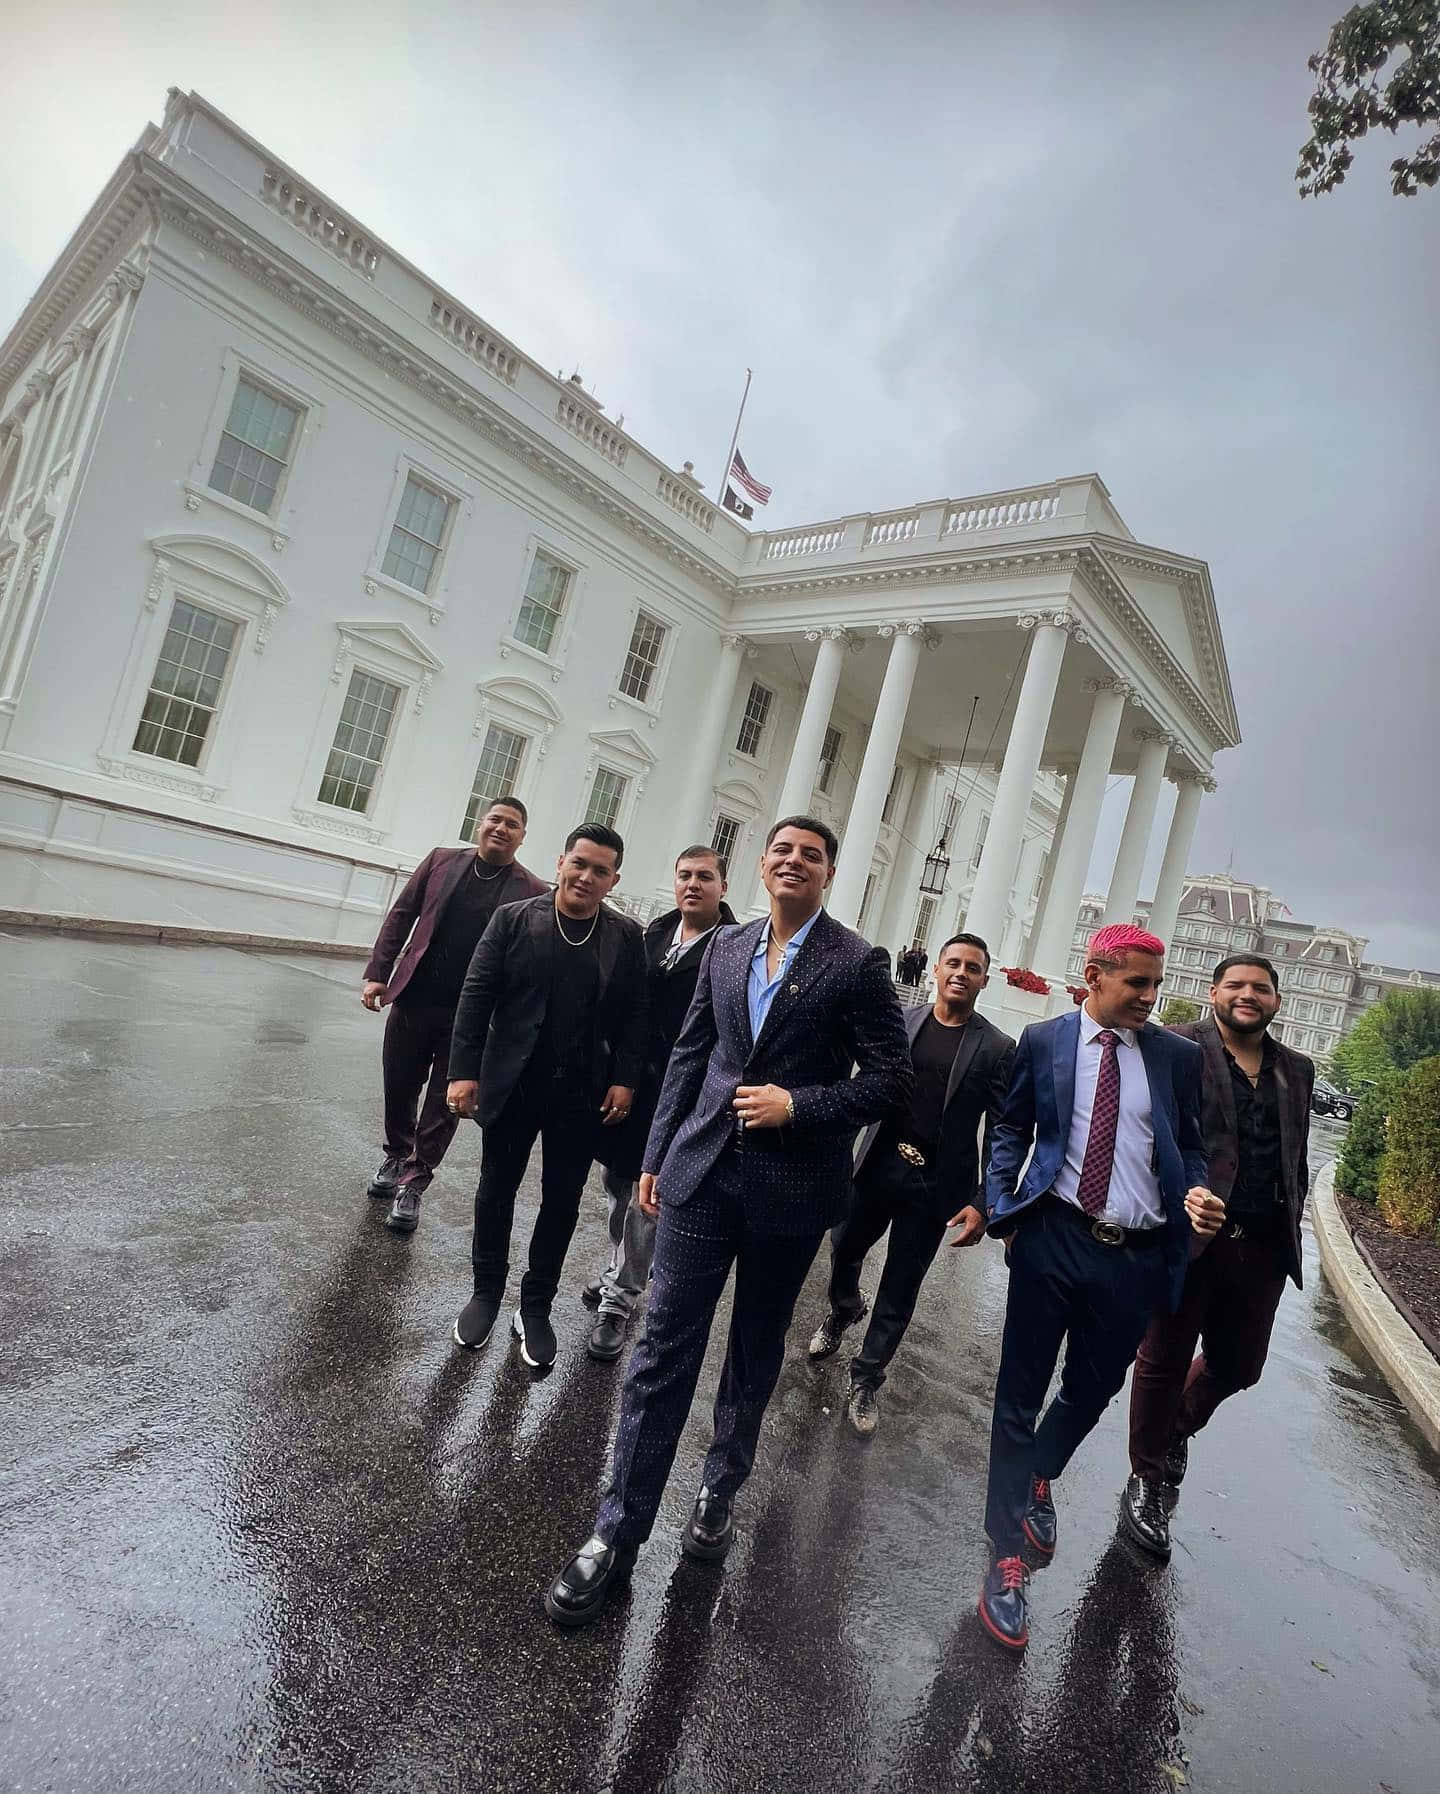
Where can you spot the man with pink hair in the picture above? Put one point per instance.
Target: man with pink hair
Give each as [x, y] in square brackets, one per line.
[1098, 1232]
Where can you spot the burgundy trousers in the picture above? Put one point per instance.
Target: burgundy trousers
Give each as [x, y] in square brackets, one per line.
[416, 1060]
[1231, 1293]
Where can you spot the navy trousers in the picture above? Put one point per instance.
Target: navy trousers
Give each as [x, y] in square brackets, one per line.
[1066, 1287]
[695, 1246]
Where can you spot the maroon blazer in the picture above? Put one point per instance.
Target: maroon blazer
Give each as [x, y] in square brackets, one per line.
[406, 933]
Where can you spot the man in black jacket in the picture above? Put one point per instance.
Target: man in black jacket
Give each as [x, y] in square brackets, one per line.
[919, 1172]
[674, 946]
[549, 1039]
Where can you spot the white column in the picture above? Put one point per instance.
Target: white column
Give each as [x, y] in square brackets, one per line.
[1047, 883]
[1072, 855]
[1165, 907]
[1139, 820]
[799, 786]
[862, 829]
[990, 897]
[693, 815]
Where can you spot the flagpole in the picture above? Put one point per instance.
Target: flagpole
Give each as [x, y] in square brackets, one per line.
[734, 440]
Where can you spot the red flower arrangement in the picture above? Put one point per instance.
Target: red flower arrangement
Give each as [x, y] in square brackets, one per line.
[1022, 978]
[1079, 992]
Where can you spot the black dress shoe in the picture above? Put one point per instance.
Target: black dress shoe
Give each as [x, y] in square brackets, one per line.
[404, 1216]
[1039, 1522]
[582, 1588]
[386, 1180]
[590, 1294]
[711, 1530]
[1002, 1603]
[607, 1340]
[1145, 1518]
[862, 1410]
[825, 1340]
[477, 1321]
[1177, 1461]
[537, 1339]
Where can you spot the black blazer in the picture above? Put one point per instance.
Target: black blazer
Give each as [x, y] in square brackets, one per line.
[671, 990]
[506, 991]
[1294, 1080]
[836, 1012]
[979, 1080]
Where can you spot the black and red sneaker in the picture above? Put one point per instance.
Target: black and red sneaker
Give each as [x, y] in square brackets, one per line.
[1039, 1523]
[1002, 1603]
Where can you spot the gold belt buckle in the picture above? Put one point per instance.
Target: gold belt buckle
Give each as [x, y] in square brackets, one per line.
[1109, 1233]
[1237, 1232]
[912, 1155]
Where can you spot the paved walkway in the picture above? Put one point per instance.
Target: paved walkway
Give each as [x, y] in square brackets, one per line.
[264, 1529]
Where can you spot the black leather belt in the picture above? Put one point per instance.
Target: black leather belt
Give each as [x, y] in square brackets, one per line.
[1108, 1233]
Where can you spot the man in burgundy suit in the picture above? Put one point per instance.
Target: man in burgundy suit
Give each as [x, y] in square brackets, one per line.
[421, 956]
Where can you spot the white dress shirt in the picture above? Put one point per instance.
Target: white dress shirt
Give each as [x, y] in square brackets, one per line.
[1134, 1196]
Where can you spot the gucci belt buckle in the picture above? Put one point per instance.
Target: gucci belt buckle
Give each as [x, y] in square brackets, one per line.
[912, 1155]
[1109, 1233]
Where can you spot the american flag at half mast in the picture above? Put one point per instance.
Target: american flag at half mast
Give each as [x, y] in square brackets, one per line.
[746, 480]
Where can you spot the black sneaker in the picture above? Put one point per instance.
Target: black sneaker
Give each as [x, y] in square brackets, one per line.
[404, 1216]
[386, 1180]
[477, 1321]
[862, 1410]
[1145, 1517]
[537, 1339]
[825, 1340]
[590, 1295]
[607, 1341]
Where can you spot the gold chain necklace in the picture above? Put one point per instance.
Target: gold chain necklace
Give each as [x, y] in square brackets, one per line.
[475, 868]
[565, 937]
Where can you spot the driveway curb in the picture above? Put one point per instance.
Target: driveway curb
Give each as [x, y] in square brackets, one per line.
[1384, 1332]
[55, 923]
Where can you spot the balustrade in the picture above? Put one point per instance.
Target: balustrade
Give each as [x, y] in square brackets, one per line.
[823, 539]
[1004, 512]
[604, 438]
[684, 499]
[320, 220]
[896, 526]
[473, 339]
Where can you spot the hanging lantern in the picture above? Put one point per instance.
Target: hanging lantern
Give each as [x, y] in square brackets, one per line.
[937, 870]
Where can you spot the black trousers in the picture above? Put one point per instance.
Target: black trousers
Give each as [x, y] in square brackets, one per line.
[695, 1246]
[563, 1119]
[1066, 1287]
[415, 1058]
[888, 1193]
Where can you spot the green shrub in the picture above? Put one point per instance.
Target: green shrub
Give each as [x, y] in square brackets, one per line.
[1410, 1171]
[1391, 1036]
[1357, 1171]
[1179, 1009]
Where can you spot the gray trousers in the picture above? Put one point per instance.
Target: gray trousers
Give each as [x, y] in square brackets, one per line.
[632, 1247]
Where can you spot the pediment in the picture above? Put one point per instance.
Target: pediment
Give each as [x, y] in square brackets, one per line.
[624, 743]
[222, 560]
[393, 639]
[742, 794]
[520, 694]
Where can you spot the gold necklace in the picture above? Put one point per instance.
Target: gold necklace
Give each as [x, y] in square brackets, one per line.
[565, 937]
[475, 868]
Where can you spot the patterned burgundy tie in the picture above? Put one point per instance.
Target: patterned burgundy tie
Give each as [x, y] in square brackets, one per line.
[1094, 1184]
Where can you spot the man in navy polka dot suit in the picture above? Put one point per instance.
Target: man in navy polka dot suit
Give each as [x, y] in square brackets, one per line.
[748, 1164]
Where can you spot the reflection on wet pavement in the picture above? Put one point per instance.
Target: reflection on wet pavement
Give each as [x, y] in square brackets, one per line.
[266, 1528]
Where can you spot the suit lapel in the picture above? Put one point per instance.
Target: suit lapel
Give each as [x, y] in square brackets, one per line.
[1283, 1103]
[806, 967]
[449, 881]
[607, 947]
[969, 1047]
[1062, 1067]
[1219, 1070]
[744, 945]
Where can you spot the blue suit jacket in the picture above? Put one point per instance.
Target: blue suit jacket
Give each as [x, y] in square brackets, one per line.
[1038, 1110]
[836, 1011]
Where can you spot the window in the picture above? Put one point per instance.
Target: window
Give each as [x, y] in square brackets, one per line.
[497, 774]
[417, 534]
[865, 900]
[1372, 993]
[925, 919]
[980, 835]
[185, 690]
[726, 836]
[1040, 873]
[354, 761]
[543, 604]
[254, 448]
[829, 759]
[887, 809]
[607, 793]
[642, 657]
[1205, 903]
[752, 723]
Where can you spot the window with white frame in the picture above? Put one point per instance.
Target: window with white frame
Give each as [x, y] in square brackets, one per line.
[865, 900]
[417, 535]
[1372, 993]
[186, 685]
[726, 836]
[361, 736]
[642, 657]
[1040, 872]
[887, 809]
[255, 446]
[949, 816]
[607, 794]
[497, 774]
[757, 714]
[543, 605]
[925, 919]
[980, 835]
[829, 759]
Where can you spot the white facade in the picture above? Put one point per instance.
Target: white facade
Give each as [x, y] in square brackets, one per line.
[1326, 982]
[261, 481]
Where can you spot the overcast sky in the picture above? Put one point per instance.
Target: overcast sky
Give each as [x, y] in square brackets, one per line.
[963, 248]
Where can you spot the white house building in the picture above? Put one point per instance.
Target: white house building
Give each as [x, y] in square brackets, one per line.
[1326, 982]
[298, 557]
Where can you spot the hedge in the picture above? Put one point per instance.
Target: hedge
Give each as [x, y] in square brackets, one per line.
[1410, 1173]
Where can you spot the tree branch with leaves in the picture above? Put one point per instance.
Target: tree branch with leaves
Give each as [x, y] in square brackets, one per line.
[1394, 41]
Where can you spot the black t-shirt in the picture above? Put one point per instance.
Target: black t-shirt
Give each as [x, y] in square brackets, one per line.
[565, 1050]
[441, 972]
[933, 1056]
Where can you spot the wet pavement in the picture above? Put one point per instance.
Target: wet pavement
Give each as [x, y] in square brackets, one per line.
[265, 1528]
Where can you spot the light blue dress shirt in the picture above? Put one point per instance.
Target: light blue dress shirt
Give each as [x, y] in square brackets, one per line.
[760, 994]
